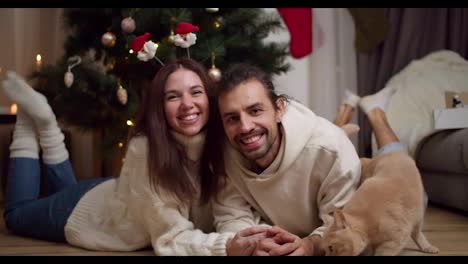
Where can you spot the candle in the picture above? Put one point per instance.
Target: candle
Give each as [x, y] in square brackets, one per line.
[38, 61]
[13, 109]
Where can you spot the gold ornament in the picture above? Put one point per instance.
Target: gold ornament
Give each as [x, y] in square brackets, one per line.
[108, 39]
[170, 39]
[128, 25]
[214, 73]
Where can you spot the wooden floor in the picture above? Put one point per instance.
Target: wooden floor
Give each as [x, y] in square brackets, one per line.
[446, 229]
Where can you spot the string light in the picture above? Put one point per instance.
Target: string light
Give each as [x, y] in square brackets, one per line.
[130, 51]
[217, 24]
[120, 144]
[130, 123]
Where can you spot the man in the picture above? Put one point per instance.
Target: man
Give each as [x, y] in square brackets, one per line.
[283, 163]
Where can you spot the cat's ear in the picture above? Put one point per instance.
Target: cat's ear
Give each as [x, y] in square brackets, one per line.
[340, 220]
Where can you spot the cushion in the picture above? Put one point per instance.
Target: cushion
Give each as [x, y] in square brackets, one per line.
[445, 151]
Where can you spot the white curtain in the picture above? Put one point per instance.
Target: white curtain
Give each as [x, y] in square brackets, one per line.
[320, 79]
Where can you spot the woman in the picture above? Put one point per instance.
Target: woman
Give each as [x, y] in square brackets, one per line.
[156, 200]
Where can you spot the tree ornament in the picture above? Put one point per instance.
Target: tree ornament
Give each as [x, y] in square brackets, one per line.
[171, 36]
[111, 64]
[212, 10]
[108, 39]
[122, 95]
[214, 73]
[218, 22]
[146, 50]
[128, 25]
[68, 78]
[184, 37]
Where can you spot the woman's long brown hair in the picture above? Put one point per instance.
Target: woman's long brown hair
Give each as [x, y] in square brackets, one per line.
[165, 155]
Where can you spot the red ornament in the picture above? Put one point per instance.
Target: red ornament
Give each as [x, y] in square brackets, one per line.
[185, 28]
[138, 42]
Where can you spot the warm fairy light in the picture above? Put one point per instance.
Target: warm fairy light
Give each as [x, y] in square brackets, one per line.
[217, 24]
[156, 45]
[129, 123]
[120, 144]
[130, 51]
[13, 109]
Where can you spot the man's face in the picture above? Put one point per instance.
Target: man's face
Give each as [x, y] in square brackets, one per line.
[250, 120]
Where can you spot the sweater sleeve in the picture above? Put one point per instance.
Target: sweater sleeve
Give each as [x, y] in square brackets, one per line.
[340, 183]
[231, 211]
[172, 234]
[166, 221]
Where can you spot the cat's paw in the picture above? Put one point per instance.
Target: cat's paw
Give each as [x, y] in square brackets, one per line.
[431, 250]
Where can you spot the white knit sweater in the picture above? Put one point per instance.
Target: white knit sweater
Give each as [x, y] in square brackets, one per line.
[316, 170]
[126, 214]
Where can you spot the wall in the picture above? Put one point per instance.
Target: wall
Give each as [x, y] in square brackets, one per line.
[27, 32]
[320, 79]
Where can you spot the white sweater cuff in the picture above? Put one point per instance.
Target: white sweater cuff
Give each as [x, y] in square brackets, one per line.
[219, 247]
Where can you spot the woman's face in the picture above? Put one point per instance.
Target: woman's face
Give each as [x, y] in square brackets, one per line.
[186, 103]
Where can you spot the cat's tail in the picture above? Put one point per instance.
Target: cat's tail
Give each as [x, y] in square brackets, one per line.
[421, 240]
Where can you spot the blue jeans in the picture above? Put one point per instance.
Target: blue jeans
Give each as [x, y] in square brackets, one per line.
[397, 146]
[27, 215]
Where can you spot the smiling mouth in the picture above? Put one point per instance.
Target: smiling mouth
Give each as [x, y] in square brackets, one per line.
[188, 120]
[251, 142]
[188, 117]
[251, 139]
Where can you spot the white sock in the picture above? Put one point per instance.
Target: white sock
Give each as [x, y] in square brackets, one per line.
[51, 137]
[35, 105]
[19, 91]
[350, 129]
[377, 100]
[24, 143]
[350, 98]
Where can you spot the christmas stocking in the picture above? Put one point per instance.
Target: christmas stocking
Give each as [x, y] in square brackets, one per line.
[299, 23]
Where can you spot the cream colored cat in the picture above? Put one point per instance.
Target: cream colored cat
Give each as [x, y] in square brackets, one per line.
[386, 210]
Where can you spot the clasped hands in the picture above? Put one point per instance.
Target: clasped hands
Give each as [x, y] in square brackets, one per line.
[267, 241]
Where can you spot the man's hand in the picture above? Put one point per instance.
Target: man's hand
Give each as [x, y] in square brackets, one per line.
[288, 243]
[264, 247]
[245, 241]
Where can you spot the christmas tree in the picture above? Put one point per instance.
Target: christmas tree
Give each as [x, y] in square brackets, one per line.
[98, 82]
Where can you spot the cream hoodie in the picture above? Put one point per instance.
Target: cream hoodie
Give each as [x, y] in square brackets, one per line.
[125, 214]
[316, 170]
